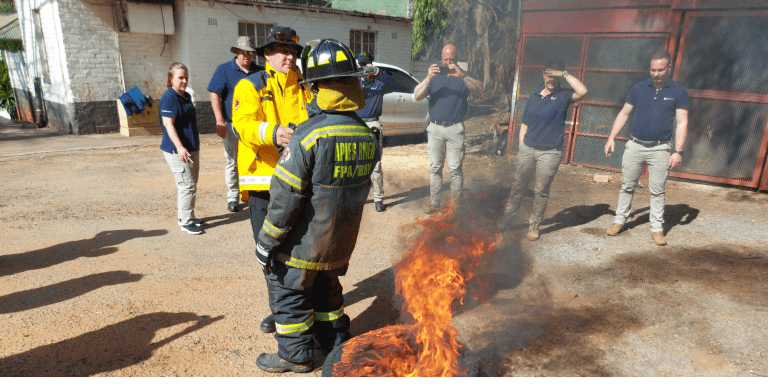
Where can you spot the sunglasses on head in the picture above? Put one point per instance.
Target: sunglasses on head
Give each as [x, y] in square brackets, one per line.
[284, 37]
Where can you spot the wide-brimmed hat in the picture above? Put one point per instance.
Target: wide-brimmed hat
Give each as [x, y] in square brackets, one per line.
[282, 35]
[328, 59]
[243, 44]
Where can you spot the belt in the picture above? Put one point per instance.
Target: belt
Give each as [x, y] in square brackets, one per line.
[446, 123]
[369, 119]
[649, 144]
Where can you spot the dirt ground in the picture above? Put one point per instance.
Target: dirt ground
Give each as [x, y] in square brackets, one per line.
[96, 279]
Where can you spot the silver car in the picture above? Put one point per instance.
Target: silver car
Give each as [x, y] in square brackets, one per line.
[400, 114]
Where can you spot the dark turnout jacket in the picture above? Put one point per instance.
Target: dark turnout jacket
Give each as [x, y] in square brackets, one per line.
[319, 188]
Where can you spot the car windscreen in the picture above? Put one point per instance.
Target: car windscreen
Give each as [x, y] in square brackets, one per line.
[406, 83]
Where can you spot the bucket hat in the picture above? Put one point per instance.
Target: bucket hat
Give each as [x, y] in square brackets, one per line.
[243, 44]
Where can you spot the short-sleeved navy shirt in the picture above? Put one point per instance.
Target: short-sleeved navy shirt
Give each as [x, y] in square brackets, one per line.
[545, 117]
[448, 98]
[374, 91]
[223, 82]
[654, 111]
[180, 107]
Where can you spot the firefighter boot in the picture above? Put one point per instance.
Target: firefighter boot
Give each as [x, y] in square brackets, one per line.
[533, 232]
[268, 324]
[271, 362]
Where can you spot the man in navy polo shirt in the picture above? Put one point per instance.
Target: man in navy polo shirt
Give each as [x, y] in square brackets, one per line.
[221, 87]
[660, 106]
[448, 91]
[375, 85]
[542, 132]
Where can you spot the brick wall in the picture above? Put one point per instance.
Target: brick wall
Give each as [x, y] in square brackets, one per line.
[91, 62]
[90, 44]
[143, 66]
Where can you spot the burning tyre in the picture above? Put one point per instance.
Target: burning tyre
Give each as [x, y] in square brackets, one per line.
[429, 278]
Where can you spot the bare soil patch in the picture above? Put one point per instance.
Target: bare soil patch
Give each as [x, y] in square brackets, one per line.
[96, 279]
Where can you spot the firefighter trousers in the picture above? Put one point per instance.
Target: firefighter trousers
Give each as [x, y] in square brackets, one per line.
[307, 304]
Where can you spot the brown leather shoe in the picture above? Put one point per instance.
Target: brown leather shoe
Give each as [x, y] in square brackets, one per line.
[658, 237]
[614, 229]
[533, 232]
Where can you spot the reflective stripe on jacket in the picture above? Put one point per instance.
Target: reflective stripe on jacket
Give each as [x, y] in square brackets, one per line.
[262, 102]
[319, 190]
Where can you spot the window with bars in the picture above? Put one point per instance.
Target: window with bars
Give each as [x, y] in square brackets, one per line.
[256, 32]
[362, 41]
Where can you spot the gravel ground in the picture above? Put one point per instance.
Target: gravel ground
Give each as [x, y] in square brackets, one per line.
[96, 279]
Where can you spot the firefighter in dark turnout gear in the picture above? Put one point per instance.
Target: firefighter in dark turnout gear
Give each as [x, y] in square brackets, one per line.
[317, 195]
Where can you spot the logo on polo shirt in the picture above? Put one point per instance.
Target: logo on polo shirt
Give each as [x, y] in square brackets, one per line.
[552, 98]
[668, 99]
[237, 103]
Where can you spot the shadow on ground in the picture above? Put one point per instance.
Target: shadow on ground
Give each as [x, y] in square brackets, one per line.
[111, 348]
[100, 245]
[56, 293]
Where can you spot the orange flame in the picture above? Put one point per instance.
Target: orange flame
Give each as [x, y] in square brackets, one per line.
[430, 277]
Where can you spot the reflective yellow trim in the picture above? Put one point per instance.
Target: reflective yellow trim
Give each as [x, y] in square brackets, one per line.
[302, 264]
[340, 56]
[345, 186]
[311, 62]
[337, 130]
[285, 329]
[289, 178]
[329, 316]
[273, 231]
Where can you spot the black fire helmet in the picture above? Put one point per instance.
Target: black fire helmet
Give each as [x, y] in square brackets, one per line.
[328, 59]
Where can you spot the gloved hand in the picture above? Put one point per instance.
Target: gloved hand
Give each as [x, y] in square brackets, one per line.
[370, 70]
[264, 257]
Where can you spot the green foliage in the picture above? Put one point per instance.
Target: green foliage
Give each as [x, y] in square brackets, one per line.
[429, 19]
[7, 101]
[11, 45]
[6, 7]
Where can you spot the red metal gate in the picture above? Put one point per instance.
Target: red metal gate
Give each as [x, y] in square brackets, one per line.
[608, 65]
[722, 62]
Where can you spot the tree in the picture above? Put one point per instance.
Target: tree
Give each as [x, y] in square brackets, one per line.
[483, 31]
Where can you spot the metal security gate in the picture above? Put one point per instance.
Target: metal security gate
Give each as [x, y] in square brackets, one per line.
[536, 51]
[608, 65]
[724, 64]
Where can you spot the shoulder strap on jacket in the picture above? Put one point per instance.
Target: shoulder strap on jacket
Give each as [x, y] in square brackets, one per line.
[259, 79]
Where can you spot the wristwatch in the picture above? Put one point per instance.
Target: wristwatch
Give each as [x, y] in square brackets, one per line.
[565, 74]
[679, 152]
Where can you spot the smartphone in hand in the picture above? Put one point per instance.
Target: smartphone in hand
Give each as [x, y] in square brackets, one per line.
[445, 70]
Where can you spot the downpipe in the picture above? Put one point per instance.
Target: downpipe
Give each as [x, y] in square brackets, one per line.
[41, 117]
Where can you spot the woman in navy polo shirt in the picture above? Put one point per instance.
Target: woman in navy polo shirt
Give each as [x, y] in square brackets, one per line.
[181, 144]
[541, 142]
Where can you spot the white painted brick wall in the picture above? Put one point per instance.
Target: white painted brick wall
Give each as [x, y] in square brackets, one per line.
[143, 66]
[208, 46]
[91, 47]
[55, 86]
[85, 52]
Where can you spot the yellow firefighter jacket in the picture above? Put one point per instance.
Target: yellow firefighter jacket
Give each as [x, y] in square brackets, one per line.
[261, 103]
